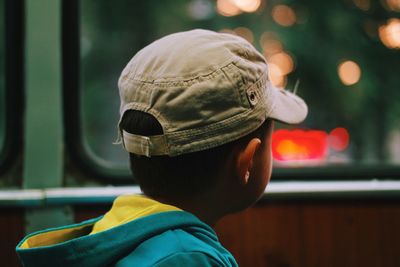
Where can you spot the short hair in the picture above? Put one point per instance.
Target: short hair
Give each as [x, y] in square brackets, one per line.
[179, 176]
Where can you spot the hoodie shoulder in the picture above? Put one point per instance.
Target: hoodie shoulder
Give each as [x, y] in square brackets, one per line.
[145, 241]
[194, 259]
[190, 246]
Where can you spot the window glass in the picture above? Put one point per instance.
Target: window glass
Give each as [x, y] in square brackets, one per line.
[341, 56]
[2, 75]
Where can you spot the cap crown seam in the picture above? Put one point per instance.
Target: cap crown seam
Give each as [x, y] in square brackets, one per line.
[189, 78]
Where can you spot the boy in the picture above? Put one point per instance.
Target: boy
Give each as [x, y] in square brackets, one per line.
[196, 117]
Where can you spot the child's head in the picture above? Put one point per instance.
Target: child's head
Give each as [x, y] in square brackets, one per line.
[194, 101]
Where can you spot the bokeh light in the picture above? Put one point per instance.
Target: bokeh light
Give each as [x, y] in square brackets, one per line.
[349, 72]
[338, 139]
[270, 44]
[284, 15]
[276, 76]
[362, 4]
[200, 9]
[280, 63]
[392, 5]
[245, 33]
[295, 145]
[247, 5]
[283, 61]
[298, 145]
[227, 8]
[390, 33]
[230, 8]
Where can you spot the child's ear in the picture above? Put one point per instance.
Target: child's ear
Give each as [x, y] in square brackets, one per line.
[245, 159]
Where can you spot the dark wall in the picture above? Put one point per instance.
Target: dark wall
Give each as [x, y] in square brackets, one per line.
[11, 232]
[291, 234]
[362, 233]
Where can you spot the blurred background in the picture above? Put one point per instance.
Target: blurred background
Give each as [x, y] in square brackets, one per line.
[344, 55]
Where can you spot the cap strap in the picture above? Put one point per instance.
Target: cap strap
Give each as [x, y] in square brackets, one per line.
[145, 145]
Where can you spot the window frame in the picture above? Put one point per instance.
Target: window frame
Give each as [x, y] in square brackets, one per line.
[14, 82]
[75, 145]
[81, 155]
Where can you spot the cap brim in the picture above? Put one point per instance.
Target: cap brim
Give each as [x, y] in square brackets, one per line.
[287, 107]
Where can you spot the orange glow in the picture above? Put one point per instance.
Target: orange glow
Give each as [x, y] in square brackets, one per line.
[247, 5]
[245, 33]
[270, 44]
[276, 76]
[299, 145]
[338, 139]
[390, 34]
[349, 72]
[284, 15]
[277, 69]
[271, 47]
[393, 5]
[283, 61]
[227, 8]
[230, 8]
[362, 4]
[289, 150]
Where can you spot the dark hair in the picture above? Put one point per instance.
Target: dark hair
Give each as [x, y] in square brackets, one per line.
[179, 176]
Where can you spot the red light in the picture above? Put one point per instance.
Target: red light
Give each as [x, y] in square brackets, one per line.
[338, 139]
[299, 145]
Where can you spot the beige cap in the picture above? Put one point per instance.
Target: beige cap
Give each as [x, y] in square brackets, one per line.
[205, 89]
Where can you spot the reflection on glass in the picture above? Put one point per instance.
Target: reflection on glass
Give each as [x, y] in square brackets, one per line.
[2, 74]
[344, 54]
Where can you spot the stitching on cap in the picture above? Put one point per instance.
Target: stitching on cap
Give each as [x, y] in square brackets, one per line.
[207, 131]
[182, 145]
[214, 68]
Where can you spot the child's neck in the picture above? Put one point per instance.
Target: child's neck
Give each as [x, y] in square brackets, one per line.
[205, 207]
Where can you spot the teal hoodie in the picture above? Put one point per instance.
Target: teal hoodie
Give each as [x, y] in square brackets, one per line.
[136, 232]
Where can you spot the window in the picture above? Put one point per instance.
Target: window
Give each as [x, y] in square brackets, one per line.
[342, 55]
[11, 82]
